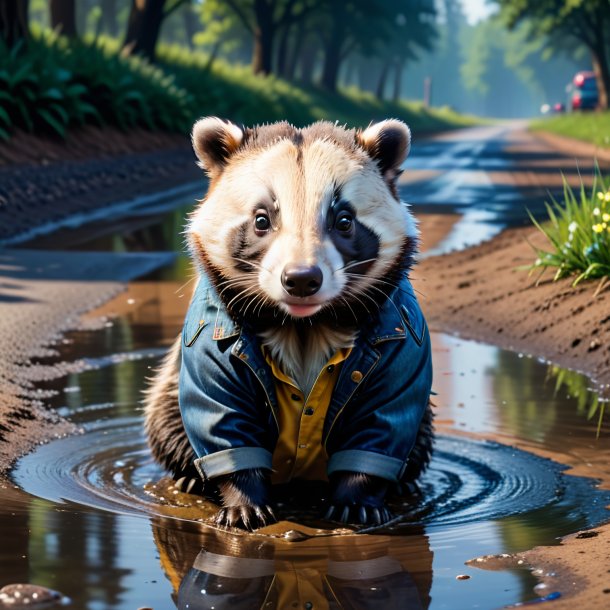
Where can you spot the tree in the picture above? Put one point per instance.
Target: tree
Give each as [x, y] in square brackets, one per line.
[222, 30]
[263, 19]
[13, 22]
[565, 21]
[144, 25]
[63, 16]
[390, 30]
[109, 16]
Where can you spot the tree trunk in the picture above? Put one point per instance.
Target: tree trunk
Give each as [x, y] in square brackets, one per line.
[109, 20]
[262, 55]
[333, 48]
[212, 56]
[307, 62]
[190, 24]
[295, 53]
[399, 66]
[383, 79]
[13, 21]
[63, 16]
[282, 52]
[144, 27]
[602, 75]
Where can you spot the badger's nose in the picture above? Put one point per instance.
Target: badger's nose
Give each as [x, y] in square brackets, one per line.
[301, 280]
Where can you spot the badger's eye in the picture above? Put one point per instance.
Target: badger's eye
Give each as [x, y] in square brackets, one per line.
[344, 222]
[261, 223]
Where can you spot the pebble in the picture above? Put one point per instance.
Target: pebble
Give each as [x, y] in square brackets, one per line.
[28, 596]
[462, 577]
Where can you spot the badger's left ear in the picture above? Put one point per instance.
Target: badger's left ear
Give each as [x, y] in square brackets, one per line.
[388, 143]
[214, 141]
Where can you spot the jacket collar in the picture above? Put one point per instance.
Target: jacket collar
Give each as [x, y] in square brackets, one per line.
[399, 314]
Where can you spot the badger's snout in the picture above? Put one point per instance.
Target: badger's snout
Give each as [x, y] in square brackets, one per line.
[301, 280]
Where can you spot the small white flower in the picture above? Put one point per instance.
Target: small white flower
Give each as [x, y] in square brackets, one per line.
[572, 227]
[596, 212]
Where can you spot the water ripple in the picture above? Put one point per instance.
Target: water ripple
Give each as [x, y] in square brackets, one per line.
[109, 467]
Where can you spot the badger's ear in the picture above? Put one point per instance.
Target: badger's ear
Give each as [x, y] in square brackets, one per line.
[388, 143]
[214, 141]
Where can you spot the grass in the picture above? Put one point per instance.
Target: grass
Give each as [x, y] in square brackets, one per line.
[591, 127]
[55, 85]
[578, 230]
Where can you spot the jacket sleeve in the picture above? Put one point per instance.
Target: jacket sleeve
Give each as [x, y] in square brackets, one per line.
[221, 406]
[377, 429]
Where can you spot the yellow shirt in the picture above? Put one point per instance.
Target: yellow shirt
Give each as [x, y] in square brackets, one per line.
[299, 452]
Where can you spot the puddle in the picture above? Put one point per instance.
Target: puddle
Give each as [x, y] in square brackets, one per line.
[89, 516]
[90, 522]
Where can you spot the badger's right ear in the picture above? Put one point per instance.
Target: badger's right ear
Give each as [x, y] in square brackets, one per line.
[214, 141]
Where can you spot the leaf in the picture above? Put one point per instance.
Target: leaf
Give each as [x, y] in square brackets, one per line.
[62, 112]
[4, 117]
[52, 122]
[53, 94]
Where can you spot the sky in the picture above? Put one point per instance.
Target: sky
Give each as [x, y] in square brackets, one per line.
[476, 10]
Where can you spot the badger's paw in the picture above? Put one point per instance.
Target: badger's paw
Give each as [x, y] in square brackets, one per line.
[358, 514]
[245, 517]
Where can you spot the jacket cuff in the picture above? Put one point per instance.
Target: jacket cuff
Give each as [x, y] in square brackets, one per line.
[376, 464]
[232, 460]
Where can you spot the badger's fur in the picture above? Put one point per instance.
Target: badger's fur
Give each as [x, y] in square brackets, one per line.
[261, 235]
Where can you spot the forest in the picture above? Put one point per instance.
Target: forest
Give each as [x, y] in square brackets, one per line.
[161, 63]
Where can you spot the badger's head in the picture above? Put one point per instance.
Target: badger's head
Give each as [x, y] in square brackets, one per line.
[302, 221]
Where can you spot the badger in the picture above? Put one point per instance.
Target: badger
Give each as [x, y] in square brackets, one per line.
[304, 353]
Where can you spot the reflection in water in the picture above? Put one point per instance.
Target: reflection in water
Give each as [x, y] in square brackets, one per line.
[238, 571]
[589, 402]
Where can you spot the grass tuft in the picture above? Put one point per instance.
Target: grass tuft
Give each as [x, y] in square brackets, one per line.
[578, 230]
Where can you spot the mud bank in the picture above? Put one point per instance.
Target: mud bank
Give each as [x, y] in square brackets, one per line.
[480, 293]
[43, 181]
[43, 294]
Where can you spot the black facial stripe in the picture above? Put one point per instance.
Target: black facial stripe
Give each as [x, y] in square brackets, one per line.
[246, 246]
[361, 246]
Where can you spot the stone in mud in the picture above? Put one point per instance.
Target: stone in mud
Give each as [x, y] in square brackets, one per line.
[28, 596]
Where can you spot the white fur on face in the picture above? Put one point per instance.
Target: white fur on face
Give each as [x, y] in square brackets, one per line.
[301, 185]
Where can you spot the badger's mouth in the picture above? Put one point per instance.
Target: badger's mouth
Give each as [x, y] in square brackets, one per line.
[301, 309]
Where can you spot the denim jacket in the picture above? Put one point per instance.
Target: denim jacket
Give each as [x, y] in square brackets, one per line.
[229, 408]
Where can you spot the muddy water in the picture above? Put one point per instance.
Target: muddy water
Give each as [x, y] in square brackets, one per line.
[93, 517]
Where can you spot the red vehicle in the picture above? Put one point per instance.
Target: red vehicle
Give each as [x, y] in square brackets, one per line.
[584, 92]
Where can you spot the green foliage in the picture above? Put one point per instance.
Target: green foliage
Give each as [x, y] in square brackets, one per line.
[591, 127]
[236, 93]
[55, 84]
[579, 231]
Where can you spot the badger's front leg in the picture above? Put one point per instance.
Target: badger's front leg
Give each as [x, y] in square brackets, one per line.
[245, 499]
[358, 498]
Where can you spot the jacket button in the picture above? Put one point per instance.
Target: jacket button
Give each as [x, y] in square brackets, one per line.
[309, 411]
[330, 368]
[357, 376]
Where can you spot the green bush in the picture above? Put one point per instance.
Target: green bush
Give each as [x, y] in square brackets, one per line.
[579, 231]
[55, 84]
